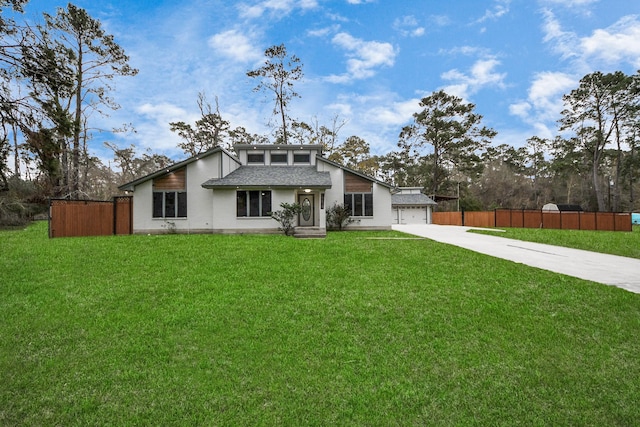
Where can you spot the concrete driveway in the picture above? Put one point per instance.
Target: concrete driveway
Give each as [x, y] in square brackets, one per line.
[611, 270]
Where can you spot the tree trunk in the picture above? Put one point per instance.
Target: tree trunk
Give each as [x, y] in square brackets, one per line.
[16, 152]
[75, 181]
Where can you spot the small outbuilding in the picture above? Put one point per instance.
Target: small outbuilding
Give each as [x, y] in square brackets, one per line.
[553, 207]
[410, 206]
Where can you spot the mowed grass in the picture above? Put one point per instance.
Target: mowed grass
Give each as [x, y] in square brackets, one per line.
[608, 242]
[270, 330]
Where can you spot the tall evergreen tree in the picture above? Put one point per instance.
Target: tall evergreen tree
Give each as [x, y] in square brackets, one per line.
[450, 133]
[278, 75]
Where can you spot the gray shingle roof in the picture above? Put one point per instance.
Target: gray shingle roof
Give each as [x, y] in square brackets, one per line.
[272, 176]
[411, 200]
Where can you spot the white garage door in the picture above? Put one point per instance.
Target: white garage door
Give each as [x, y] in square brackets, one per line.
[410, 215]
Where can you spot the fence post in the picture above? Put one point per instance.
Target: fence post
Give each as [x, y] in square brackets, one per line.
[49, 219]
[115, 215]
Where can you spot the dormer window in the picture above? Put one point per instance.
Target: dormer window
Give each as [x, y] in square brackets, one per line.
[255, 158]
[279, 158]
[301, 158]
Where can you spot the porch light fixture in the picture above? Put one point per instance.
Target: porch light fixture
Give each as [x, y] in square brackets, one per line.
[307, 190]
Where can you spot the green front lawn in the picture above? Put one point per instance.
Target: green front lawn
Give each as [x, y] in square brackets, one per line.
[270, 330]
[609, 242]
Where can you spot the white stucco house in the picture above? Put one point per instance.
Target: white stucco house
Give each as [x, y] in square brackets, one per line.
[411, 206]
[219, 192]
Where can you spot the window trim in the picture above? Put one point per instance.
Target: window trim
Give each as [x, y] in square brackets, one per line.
[365, 204]
[306, 162]
[258, 162]
[180, 204]
[263, 209]
[283, 162]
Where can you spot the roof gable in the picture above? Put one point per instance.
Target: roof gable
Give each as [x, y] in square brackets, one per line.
[129, 186]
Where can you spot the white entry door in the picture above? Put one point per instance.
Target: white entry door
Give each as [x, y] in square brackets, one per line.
[305, 218]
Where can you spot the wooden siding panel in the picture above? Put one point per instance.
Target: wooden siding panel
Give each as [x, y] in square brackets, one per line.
[447, 218]
[606, 221]
[623, 222]
[124, 215]
[479, 219]
[518, 218]
[588, 221]
[532, 219]
[356, 184]
[74, 218]
[503, 218]
[570, 220]
[175, 180]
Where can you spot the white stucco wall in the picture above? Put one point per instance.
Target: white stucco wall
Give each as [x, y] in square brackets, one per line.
[226, 221]
[382, 215]
[199, 200]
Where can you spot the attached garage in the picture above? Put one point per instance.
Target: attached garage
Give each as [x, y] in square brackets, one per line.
[410, 206]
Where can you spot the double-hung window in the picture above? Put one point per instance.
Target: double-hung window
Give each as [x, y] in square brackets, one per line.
[170, 195]
[253, 203]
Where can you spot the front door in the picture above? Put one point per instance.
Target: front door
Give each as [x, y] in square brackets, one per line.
[305, 218]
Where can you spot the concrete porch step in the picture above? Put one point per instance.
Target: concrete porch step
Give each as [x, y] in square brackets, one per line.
[310, 233]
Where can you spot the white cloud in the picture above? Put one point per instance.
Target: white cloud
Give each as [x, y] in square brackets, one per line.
[544, 102]
[481, 74]
[500, 9]
[322, 32]
[564, 42]
[408, 26]
[395, 113]
[440, 20]
[617, 43]
[570, 3]
[359, 1]
[235, 45]
[612, 45]
[364, 57]
[153, 126]
[275, 7]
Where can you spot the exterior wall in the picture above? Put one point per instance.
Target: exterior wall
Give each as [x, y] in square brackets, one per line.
[382, 218]
[225, 218]
[382, 215]
[199, 200]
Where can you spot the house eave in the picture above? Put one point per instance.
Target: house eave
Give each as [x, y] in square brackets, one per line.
[265, 187]
[130, 186]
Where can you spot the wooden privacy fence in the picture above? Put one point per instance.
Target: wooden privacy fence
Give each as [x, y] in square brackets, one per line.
[69, 218]
[523, 218]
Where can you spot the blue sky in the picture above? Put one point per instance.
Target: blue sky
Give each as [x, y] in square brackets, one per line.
[367, 61]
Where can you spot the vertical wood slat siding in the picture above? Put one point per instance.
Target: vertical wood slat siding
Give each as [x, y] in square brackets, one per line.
[75, 218]
[519, 218]
[447, 218]
[175, 180]
[123, 221]
[479, 219]
[355, 184]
